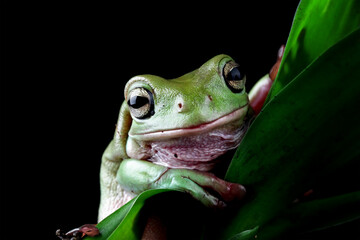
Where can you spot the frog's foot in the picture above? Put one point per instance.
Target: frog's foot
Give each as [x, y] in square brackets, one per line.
[197, 183]
[60, 234]
[259, 92]
[78, 233]
[274, 70]
[74, 234]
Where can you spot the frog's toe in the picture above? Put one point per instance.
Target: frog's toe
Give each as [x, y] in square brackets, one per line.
[233, 191]
[194, 182]
[185, 184]
[228, 191]
[60, 234]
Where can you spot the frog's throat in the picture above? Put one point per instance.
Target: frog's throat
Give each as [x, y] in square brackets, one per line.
[193, 130]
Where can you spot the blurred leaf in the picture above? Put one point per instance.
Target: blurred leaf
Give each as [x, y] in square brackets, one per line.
[245, 235]
[315, 215]
[323, 213]
[317, 26]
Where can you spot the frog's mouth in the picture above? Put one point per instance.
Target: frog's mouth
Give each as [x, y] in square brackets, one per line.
[193, 130]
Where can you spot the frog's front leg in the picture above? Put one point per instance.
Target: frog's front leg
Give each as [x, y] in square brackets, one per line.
[137, 176]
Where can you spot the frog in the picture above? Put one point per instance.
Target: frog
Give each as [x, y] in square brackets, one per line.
[170, 133]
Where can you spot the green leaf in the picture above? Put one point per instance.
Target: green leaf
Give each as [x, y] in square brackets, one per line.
[317, 26]
[123, 224]
[308, 131]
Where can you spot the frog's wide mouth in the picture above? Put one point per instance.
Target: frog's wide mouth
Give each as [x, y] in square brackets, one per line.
[192, 130]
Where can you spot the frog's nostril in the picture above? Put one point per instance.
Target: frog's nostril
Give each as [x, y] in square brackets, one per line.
[181, 105]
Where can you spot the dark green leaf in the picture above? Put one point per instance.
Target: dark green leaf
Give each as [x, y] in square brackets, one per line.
[310, 129]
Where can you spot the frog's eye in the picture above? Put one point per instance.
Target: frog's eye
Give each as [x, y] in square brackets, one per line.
[141, 103]
[234, 77]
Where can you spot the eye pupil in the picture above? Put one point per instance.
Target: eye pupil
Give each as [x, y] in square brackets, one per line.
[138, 101]
[235, 74]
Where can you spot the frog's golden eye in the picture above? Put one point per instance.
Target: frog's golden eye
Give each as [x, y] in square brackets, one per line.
[234, 77]
[141, 103]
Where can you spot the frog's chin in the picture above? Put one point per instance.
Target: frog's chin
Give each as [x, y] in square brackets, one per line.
[234, 116]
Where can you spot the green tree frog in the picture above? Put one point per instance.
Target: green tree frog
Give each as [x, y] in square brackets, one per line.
[170, 133]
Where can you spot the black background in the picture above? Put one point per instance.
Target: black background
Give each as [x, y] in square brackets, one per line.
[66, 65]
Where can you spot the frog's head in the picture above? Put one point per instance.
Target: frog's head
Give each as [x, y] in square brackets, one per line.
[205, 99]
